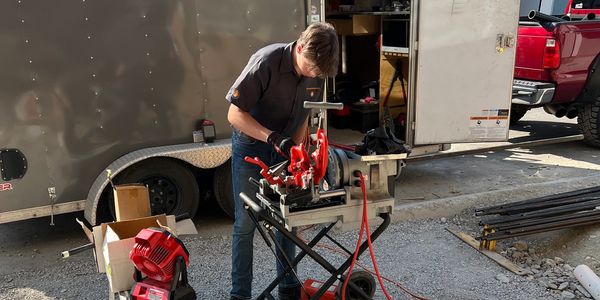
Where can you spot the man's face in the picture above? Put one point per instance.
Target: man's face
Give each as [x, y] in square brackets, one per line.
[306, 67]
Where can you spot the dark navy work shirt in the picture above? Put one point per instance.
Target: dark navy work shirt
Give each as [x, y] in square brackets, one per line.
[272, 92]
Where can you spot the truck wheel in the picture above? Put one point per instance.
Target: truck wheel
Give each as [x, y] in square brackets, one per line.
[365, 281]
[517, 112]
[172, 186]
[589, 123]
[223, 188]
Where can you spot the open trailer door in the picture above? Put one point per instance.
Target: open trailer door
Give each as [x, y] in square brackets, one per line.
[462, 70]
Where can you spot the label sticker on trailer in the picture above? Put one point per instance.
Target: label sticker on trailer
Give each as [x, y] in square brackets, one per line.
[489, 124]
[5, 187]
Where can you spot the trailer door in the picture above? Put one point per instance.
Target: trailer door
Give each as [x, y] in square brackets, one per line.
[462, 74]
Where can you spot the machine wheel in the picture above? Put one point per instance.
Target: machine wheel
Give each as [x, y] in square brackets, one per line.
[172, 186]
[365, 281]
[223, 189]
[517, 112]
[589, 123]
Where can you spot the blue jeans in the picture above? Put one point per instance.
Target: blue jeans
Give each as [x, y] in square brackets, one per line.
[243, 227]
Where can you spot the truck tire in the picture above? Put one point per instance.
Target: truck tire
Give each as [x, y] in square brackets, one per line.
[589, 123]
[517, 112]
[223, 189]
[172, 186]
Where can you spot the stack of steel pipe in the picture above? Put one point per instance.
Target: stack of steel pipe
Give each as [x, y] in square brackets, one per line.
[553, 212]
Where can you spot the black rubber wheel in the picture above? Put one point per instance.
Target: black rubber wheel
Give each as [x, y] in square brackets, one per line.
[517, 112]
[171, 184]
[589, 123]
[223, 188]
[365, 281]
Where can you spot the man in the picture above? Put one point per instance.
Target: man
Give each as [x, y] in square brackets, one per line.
[268, 118]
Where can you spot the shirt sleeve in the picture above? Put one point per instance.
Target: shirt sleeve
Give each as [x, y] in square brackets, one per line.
[250, 86]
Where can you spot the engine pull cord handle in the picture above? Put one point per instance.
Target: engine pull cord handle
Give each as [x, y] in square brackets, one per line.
[264, 170]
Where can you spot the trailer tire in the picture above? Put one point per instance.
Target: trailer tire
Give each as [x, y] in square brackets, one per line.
[172, 186]
[517, 112]
[365, 281]
[589, 122]
[223, 188]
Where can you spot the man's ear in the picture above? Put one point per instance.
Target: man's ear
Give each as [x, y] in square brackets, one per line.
[299, 48]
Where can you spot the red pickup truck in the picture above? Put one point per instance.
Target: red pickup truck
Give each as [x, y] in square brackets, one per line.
[558, 66]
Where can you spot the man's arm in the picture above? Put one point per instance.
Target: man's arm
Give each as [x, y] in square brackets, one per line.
[300, 134]
[243, 121]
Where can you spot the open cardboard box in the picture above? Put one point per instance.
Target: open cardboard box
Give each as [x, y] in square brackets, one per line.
[113, 242]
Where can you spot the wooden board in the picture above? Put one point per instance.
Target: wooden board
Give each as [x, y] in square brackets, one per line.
[501, 260]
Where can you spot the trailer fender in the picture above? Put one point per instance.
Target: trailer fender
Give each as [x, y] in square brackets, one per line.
[205, 156]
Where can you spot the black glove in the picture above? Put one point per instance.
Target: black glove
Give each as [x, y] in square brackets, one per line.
[282, 144]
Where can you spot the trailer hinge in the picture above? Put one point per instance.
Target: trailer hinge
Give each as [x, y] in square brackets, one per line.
[52, 196]
[412, 125]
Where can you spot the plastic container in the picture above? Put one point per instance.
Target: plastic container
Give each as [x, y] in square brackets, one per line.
[364, 116]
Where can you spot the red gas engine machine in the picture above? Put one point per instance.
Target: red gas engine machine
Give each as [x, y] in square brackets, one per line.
[163, 259]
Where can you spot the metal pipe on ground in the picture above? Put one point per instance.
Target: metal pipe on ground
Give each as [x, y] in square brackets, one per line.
[548, 204]
[548, 212]
[491, 209]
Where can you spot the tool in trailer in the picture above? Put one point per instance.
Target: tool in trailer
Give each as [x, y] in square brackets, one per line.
[320, 188]
[163, 259]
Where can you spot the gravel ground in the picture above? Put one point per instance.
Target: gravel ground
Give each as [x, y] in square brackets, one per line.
[420, 255]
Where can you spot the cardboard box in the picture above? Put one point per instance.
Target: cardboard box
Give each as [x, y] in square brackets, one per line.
[358, 24]
[132, 201]
[366, 24]
[113, 242]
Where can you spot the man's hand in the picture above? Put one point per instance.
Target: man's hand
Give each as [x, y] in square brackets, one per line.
[283, 144]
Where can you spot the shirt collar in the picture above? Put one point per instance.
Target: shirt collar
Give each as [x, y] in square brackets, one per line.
[287, 63]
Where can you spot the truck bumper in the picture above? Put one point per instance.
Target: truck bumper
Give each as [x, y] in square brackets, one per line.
[532, 93]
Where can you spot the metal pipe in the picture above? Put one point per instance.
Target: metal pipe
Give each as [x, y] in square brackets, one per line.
[540, 199]
[517, 224]
[511, 210]
[499, 236]
[536, 15]
[548, 212]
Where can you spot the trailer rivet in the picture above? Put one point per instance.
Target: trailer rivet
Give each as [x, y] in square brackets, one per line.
[22, 21]
[94, 75]
[152, 89]
[26, 41]
[30, 61]
[91, 57]
[87, 19]
[89, 37]
[249, 29]
[146, 35]
[147, 53]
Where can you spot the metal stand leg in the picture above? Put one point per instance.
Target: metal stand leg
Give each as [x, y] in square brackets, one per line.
[259, 214]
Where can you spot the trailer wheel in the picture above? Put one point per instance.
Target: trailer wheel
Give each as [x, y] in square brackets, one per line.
[171, 184]
[517, 112]
[589, 123]
[223, 188]
[365, 281]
